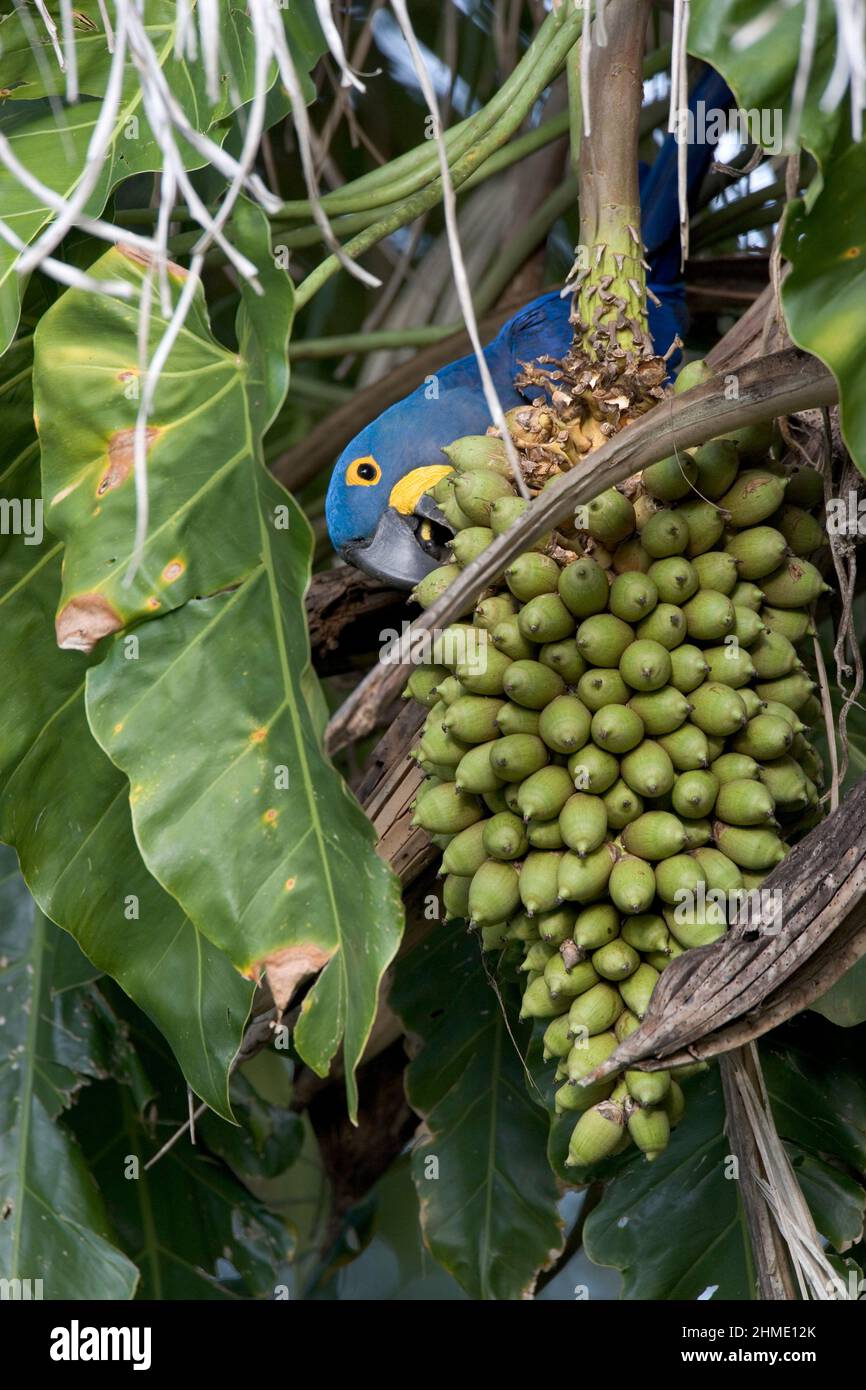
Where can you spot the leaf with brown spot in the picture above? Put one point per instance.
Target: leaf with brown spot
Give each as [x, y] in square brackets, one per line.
[287, 969]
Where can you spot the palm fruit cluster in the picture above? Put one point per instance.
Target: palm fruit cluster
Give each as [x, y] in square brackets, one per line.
[623, 718]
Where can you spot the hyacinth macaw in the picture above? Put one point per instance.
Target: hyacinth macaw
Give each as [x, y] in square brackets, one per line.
[378, 515]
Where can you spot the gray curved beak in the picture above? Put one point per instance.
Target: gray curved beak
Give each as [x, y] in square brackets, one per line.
[400, 552]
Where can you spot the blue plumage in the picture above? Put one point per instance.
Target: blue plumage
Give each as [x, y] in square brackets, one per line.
[364, 523]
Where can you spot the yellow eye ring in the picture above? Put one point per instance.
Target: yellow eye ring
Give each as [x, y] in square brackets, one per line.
[363, 472]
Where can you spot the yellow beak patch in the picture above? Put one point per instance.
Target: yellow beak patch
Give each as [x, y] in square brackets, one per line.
[404, 494]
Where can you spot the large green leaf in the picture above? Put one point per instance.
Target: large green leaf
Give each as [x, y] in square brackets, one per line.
[54, 1227]
[489, 1202]
[65, 806]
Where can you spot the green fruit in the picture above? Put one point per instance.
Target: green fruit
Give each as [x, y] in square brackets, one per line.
[705, 525]
[543, 794]
[557, 1042]
[434, 584]
[674, 1104]
[504, 836]
[571, 1099]
[522, 928]
[557, 926]
[747, 596]
[654, 835]
[544, 834]
[692, 374]
[785, 780]
[661, 711]
[650, 1131]
[666, 625]
[475, 772]
[466, 852]
[793, 690]
[648, 769]
[455, 896]
[709, 616]
[616, 961]
[757, 552]
[602, 639]
[445, 810]
[805, 488]
[773, 655]
[493, 893]
[751, 881]
[532, 685]
[753, 442]
[587, 1053]
[563, 658]
[595, 1011]
[754, 496]
[626, 1024]
[592, 769]
[597, 1134]
[423, 684]
[687, 748]
[450, 510]
[748, 626]
[753, 849]
[646, 931]
[472, 718]
[699, 832]
[514, 719]
[717, 709]
[694, 794]
[688, 668]
[675, 579]
[583, 823]
[475, 492]
[450, 691]
[720, 872]
[637, 990]
[717, 465]
[583, 587]
[469, 544]
[478, 451]
[632, 596]
[617, 728]
[645, 665]
[539, 891]
[731, 767]
[490, 612]
[752, 702]
[672, 478]
[765, 737]
[538, 1003]
[507, 638]
[517, 756]
[666, 533]
[692, 926]
[792, 623]
[596, 925]
[630, 556]
[484, 673]
[648, 1087]
[531, 574]
[493, 938]
[745, 802]
[536, 956]
[440, 747]
[717, 570]
[569, 983]
[716, 746]
[622, 805]
[609, 518]
[795, 584]
[730, 665]
[598, 688]
[679, 874]
[632, 885]
[582, 880]
[546, 619]
[564, 724]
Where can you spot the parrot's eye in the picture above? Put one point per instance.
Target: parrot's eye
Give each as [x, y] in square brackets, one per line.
[365, 472]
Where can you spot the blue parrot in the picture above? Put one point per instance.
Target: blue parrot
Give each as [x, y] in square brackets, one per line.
[377, 509]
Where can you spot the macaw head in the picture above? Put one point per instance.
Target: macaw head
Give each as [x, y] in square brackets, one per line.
[378, 514]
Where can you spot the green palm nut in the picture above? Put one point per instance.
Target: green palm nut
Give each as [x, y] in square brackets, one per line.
[600, 687]
[626, 1024]
[542, 796]
[466, 852]
[689, 668]
[504, 836]
[680, 874]
[718, 464]
[557, 926]
[650, 1130]
[648, 769]
[514, 719]
[674, 1104]
[438, 770]
[616, 961]
[493, 938]
[705, 525]
[757, 552]
[757, 849]
[648, 1087]
[800, 529]
[423, 684]
[536, 956]
[455, 896]
[483, 672]
[478, 451]
[636, 990]
[602, 639]
[544, 834]
[665, 625]
[475, 772]
[445, 810]
[675, 579]
[792, 623]
[694, 794]
[687, 747]
[654, 835]
[583, 822]
[596, 925]
[546, 619]
[490, 612]
[557, 1040]
[569, 983]
[456, 518]
[469, 544]
[630, 557]
[617, 728]
[699, 832]
[594, 1011]
[450, 691]
[531, 574]
[609, 518]
[503, 514]
[694, 373]
[434, 584]
[717, 570]
[720, 872]
[646, 931]
[748, 625]
[597, 1135]
[508, 638]
[806, 488]
[709, 616]
[587, 1053]
[539, 881]
[472, 718]
[564, 724]
[795, 584]
[660, 711]
[793, 691]
[571, 1099]
[785, 780]
[730, 767]
[583, 587]
[747, 595]
[564, 658]
[584, 879]
[754, 496]
[773, 655]
[717, 709]
[671, 478]
[494, 893]
[666, 533]
[753, 442]
[521, 927]
[622, 805]
[476, 490]
[753, 703]
[517, 756]
[593, 770]
[511, 791]
[745, 803]
[765, 737]
[532, 685]
[441, 747]
[537, 1001]
[645, 665]
[632, 596]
